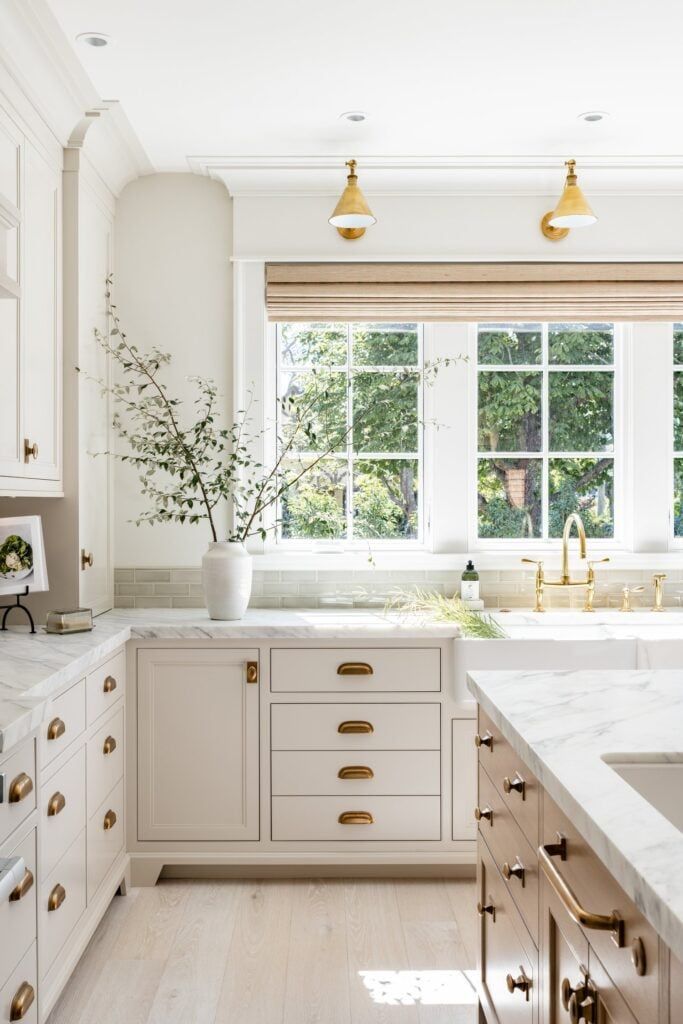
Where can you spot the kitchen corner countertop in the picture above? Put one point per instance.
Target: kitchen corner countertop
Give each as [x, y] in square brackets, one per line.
[34, 667]
[566, 726]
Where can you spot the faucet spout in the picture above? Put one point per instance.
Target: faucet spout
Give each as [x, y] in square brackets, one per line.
[572, 519]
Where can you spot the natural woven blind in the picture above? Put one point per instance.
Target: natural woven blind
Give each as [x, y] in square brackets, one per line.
[474, 291]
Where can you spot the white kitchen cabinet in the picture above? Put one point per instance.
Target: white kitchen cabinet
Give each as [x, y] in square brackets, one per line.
[198, 745]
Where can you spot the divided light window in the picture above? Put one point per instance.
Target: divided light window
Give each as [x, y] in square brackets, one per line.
[678, 430]
[546, 429]
[365, 383]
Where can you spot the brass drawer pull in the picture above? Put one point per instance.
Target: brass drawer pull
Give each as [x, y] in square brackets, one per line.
[356, 818]
[56, 898]
[521, 982]
[355, 668]
[516, 784]
[55, 729]
[24, 886]
[109, 685]
[109, 746]
[567, 990]
[109, 820]
[355, 771]
[19, 788]
[487, 908]
[252, 671]
[586, 918]
[582, 1008]
[30, 450]
[484, 812]
[22, 1002]
[354, 727]
[484, 740]
[515, 870]
[56, 804]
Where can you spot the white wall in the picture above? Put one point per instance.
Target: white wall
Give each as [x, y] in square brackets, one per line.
[173, 289]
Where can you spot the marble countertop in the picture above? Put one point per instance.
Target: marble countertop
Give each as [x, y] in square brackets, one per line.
[562, 724]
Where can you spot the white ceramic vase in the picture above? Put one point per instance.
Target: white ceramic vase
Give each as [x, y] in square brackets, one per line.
[226, 578]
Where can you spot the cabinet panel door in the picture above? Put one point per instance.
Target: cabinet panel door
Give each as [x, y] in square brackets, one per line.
[198, 745]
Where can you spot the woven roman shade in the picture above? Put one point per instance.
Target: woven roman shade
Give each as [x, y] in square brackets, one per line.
[474, 291]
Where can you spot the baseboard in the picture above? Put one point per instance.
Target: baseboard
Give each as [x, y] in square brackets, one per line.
[318, 871]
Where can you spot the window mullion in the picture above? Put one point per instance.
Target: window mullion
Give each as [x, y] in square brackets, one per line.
[545, 437]
[349, 437]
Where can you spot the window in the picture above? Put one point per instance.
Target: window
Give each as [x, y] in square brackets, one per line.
[362, 383]
[545, 429]
[678, 429]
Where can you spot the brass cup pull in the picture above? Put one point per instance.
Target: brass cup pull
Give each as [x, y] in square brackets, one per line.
[515, 870]
[30, 450]
[356, 818]
[109, 746]
[587, 919]
[56, 804]
[56, 898]
[521, 982]
[109, 685]
[355, 727]
[484, 740]
[516, 784]
[252, 671]
[109, 820]
[483, 812]
[20, 890]
[355, 771]
[22, 1002]
[55, 729]
[486, 908]
[19, 788]
[354, 668]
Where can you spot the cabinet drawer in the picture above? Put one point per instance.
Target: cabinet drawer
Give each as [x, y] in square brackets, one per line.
[105, 760]
[105, 838]
[384, 772]
[506, 769]
[105, 686]
[22, 985]
[62, 811]
[362, 670]
[64, 891]
[17, 788]
[325, 726]
[66, 721]
[510, 850]
[385, 817]
[18, 915]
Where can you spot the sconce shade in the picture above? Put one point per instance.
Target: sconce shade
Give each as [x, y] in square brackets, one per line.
[573, 209]
[352, 215]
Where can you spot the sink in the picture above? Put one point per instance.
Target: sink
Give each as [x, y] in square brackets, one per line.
[658, 778]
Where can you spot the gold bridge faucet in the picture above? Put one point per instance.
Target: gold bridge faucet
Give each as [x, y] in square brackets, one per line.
[565, 580]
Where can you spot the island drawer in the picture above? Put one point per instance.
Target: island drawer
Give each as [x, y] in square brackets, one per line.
[62, 811]
[17, 787]
[365, 726]
[329, 773]
[515, 783]
[18, 910]
[105, 760]
[105, 838]
[105, 686]
[362, 670]
[360, 819]
[66, 721]
[21, 989]
[61, 903]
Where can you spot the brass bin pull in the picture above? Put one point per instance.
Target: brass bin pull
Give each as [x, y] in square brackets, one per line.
[56, 804]
[355, 727]
[109, 745]
[596, 922]
[22, 1002]
[55, 729]
[109, 685]
[355, 771]
[252, 671]
[109, 820]
[356, 818]
[56, 898]
[19, 891]
[19, 788]
[355, 668]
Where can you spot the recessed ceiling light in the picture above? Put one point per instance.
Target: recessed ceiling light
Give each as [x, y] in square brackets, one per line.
[95, 39]
[593, 116]
[354, 116]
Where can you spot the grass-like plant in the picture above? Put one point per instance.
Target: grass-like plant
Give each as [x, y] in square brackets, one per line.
[446, 609]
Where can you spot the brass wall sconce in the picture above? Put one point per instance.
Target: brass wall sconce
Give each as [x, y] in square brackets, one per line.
[572, 211]
[352, 215]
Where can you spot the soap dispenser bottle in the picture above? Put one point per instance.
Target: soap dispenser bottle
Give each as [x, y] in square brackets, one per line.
[469, 584]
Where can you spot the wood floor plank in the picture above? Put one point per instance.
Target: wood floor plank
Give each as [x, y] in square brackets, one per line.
[125, 991]
[462, 893]
[149, 931]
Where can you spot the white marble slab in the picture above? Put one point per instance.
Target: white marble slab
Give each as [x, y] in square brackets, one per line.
[562, 724]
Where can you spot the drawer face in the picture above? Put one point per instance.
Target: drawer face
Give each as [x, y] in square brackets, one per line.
[394, 726]
[508, 846]
[105, 843]
[55, 926]
[23, 976]
[329, 773]
[105, 769]
[67, 710]
[105, 686]
[395, 818]
[18, 916]
[362, 670]
[18, 772]
[65, 790]
[501, 764]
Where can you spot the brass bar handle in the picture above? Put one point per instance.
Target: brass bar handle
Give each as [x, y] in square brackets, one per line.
[356, 818]
[355, 727]
[252, 671]
[109, 820]
[522, 982]
[516, 870]
[30, 450]
[355, 771]
[22, 1002]
[19, 788]
[586, 918]
[20, 890]
[484, 812]
[487, 908]
[516, 784]
[56, 898]
[109, 746]
[56, 804]
[55, 729]
[109, 685]
[355, 668]
[87, 559]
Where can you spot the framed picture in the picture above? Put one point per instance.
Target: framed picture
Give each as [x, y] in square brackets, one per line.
[22, 555]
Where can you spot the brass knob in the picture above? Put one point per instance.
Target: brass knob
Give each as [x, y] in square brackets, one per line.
[355, 771]
[109, 746]
[30, 450]
[87, 559]
[516, 784]
[515, 870]
[486, 908]
[355, 668]
[20, 890]
[483, 812]
[521, 982]
[356, 818]
[582, 1008]
[19, 788]
[109, 820]
[355, 727]
[567, 990]
[22, 1002]
[484, 740]
[55, 729]
[56, 804]
[638, 958]
[56, 898]
[252, 671]
[109, 685]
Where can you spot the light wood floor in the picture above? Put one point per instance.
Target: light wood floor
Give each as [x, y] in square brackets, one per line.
[321, 951]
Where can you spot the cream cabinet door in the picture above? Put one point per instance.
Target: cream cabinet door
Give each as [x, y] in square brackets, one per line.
[11, 159]
[198, 745]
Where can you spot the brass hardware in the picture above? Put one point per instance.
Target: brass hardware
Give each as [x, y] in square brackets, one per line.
[56, 804]
[626, 597]
[355, 771]
[657, 579]
[484, 812]
[30, 450]
[252, 671]
[565, 580]
[558, 849]
[55, 729]
[572, 210]
[109, 820]
[109, 685]
[109, 746]
[22, 1002]
[19, 788]
[590, 584]
[586, 918]
[487, 908]
[554, 234]
[516, 784]
[539, 581]
[582, 1007]
[353, 727]
[87, 559]
[20, 890]
[352, 215]
[355, 668]
[567, 990]
[356, 818]
[515, 870]
[638, 958]
[522, 982]
[485, 740]
[56, 898]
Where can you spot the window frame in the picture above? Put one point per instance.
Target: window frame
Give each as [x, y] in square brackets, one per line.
[675, 542]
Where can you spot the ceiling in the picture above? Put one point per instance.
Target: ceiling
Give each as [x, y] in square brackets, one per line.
[453, 89]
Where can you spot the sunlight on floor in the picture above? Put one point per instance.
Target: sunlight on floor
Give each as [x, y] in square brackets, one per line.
[430, 988]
